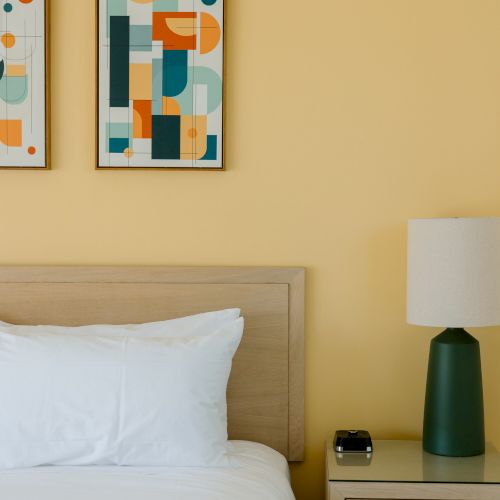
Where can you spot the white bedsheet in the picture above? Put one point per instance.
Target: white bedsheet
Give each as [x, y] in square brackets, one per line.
[263, 475]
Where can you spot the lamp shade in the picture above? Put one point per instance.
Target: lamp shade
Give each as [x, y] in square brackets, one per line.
[454, 272]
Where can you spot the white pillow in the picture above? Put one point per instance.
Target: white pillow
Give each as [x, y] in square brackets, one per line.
[199, 324]
[75, 400]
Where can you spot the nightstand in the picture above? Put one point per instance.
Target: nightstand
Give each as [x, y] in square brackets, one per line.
[401, 470]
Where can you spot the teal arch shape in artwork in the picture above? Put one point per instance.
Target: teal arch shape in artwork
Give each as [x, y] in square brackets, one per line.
[209, 2]
[200, 75]
[14, 89]
[175, 72]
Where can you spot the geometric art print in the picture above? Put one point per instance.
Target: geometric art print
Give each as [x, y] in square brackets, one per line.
[160, 96]
[24, 110]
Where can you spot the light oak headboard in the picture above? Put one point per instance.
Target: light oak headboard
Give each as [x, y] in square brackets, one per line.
[266, 389]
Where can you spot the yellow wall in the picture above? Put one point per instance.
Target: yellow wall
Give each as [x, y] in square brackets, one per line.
[345, 118]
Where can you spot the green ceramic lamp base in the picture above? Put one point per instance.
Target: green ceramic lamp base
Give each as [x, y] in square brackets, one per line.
[454, 415]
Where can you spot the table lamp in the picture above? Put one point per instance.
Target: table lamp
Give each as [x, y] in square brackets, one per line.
[454, 282]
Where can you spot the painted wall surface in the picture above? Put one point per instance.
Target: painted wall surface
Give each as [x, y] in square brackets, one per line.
[345, 118]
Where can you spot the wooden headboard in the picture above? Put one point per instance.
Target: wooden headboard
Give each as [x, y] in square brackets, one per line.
[266, 389]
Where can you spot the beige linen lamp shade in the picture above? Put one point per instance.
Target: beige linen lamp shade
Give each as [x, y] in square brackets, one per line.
[454, 272]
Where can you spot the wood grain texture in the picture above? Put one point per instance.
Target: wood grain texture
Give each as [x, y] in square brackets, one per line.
[266, 389]
[296, 366]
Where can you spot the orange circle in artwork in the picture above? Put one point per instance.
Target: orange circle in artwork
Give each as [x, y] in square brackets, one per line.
[25, 1]
[192, 133]
[128, 153]
[8, 40]
[31, 150]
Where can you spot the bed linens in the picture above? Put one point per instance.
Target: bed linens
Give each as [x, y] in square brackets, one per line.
[262, 475]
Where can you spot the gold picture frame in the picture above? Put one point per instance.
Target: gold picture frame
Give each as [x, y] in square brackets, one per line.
[100, 129]
[13, 9]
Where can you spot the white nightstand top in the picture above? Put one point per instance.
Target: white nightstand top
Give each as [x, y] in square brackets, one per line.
[407, 462]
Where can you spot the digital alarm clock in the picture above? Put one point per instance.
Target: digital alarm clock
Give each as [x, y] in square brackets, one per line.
[353, 442]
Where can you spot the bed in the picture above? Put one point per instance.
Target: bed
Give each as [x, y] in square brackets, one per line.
[265, 392]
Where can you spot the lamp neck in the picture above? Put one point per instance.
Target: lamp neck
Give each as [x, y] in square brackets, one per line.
[455, 336]
[457, 331]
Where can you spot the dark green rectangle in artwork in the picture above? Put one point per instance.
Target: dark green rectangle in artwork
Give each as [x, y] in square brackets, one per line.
[119, 61]
[166, 137]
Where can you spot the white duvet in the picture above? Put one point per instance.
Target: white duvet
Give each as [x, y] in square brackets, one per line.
[263, 474]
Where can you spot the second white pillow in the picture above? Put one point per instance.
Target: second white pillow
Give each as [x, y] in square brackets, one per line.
[198, 324]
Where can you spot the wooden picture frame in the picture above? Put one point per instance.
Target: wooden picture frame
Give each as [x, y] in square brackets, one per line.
[160, 85]
[25, 85]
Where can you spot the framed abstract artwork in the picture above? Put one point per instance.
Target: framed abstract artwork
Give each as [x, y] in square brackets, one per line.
[24, 84]
[160, 84]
